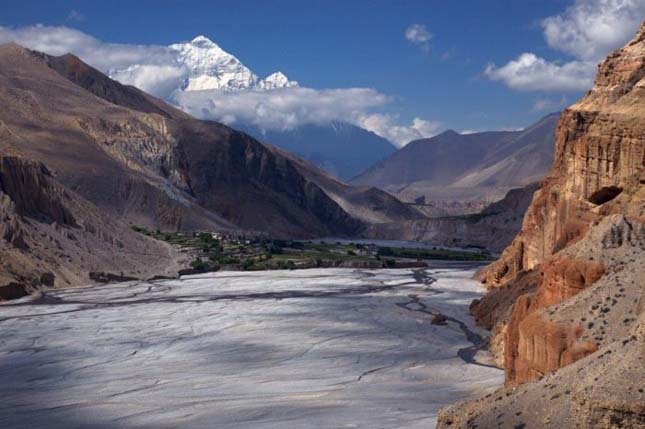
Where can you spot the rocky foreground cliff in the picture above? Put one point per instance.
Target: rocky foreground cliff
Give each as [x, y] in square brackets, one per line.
[566, 297]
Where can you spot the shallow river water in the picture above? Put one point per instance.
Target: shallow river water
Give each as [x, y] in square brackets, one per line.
[323, 348]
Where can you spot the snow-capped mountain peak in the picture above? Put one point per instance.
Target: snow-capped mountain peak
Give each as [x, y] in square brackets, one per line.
[277, 80]
[201, 39]
[211, 67]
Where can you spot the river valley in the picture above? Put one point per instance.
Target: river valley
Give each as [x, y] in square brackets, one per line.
[267, 349]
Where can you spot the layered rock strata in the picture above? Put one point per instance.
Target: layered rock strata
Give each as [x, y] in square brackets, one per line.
[566, 300]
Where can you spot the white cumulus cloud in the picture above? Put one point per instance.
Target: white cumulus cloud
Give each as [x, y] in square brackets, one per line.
[154, 63]
[285, 108]
[161, 80]
[103, 56]
[590, 29]
[587, 31]
[419, 35]
[528, 72]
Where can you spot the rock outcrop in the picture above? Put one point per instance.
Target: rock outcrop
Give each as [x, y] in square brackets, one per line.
[601, 391]
[30, 188]
[566, 300]
[534, 346]
[52, 237]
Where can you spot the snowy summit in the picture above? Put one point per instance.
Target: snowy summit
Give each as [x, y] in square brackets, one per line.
[210, 67]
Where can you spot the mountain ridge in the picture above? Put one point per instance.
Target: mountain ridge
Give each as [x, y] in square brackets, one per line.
[159, 147]
[152, 148]
[452, 165]
[209, 67]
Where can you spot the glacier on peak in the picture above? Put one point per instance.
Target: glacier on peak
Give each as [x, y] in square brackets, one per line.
[197, 65]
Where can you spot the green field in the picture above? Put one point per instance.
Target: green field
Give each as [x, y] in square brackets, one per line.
[262, 253]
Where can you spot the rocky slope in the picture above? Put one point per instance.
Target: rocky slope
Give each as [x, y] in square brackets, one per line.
[478, 167]
[52, 237]
[370, 205]
[139, 159]
[566, 305]
[492, 228]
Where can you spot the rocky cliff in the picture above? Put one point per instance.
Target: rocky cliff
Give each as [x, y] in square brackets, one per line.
[566, 295]
[599, 152]
[52, 237]
[465, 169]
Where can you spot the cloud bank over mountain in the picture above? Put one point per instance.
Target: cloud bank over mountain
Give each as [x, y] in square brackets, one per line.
[281, 108]
[210, 83]
[385, 126]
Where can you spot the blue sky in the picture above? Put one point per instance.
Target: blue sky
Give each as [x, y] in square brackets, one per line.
[342, 44]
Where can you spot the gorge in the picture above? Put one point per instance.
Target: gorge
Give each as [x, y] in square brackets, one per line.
[184, 243]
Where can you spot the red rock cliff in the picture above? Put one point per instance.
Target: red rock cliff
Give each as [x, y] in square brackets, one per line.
[598, 170]
[600, 151]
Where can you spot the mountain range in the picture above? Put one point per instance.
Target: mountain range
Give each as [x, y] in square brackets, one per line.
[209, 67]
[85, 161]
[466, 167]
[87, 157]
[448, 174]
[342, 149]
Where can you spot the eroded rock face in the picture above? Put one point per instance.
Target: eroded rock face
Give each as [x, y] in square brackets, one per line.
[602, 390]
[493, 311]
[600, 151]
[535, 346]
[51, 237]
[26, 184]
[573, 346]
[599, 145]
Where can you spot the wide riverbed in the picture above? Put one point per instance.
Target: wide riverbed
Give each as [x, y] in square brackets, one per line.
[323, 348]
